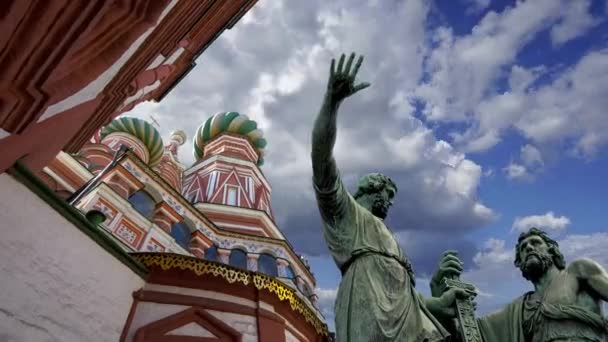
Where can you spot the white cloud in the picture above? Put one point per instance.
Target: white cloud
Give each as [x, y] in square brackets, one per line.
[568, 109]
[516, 171]
[576, 21]
[325, 302]
[529, 165]
[593, 246]
[476, 6]
[548, 221]
[475, 60]
[531, 156]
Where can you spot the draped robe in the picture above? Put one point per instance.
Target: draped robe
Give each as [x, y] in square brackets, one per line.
[376, 299]
[549, 322]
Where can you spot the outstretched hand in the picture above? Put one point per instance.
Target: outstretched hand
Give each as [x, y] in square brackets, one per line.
[341, 82]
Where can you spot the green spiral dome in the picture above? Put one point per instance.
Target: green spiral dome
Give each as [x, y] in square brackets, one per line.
[141, 130]
[231, 122]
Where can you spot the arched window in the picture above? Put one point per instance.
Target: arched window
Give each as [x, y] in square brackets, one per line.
[289, 272]
[267, 264]
[144, 203]
[211, 253]
[238, 258]
[181, 233]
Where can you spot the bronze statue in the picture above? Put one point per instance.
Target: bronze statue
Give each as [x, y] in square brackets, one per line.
[376, 299]
[566, 304]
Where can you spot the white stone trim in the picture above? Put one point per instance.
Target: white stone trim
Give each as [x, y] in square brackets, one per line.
[4, 134]
[174, 56]
[238, 226]
[58, 179]
[75, 166]
[156, 62]
[141, 93]
[220, 208]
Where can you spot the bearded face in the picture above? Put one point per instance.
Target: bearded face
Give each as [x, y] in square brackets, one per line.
[382, 201]
[536, 265]
[536, 258]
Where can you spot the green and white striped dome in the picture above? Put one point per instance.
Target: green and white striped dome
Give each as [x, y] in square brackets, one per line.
[141, 130]
[231, 122]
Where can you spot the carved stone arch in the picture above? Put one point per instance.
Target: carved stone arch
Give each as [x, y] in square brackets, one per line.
[241, 246]
[163, 329]
[155, 194]
[190, 224]
[265, 250]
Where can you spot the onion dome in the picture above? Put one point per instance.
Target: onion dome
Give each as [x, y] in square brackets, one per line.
[143, 131]
[179, 136]
[229, 122]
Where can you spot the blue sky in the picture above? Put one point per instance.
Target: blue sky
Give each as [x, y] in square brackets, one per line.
[489, 115]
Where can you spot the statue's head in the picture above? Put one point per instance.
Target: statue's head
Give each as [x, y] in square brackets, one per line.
[377, 192]
[535, 253]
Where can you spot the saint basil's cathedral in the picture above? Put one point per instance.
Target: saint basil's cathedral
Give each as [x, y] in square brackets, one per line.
[105, 234]
[218, 264]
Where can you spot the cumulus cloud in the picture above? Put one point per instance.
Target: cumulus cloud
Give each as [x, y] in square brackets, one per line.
[566, 110]
[476, 59]
[529, 164]
[476, 6]
[548, 221]
[576, 20]
[325, 301]
[516, 171]
[531, 156]
[591, 246]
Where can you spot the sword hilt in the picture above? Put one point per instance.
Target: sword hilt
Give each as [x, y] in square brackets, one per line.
[466, 312]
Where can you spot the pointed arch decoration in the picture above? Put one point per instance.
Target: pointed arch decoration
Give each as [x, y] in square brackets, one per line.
[167, 329]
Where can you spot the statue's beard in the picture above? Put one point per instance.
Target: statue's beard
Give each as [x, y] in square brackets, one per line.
[534, 268]
[380, 209]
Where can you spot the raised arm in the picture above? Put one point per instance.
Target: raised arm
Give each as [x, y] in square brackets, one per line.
[593, 273]
[341, 84]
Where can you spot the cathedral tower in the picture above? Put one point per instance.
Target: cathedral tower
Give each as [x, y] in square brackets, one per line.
[226, 183]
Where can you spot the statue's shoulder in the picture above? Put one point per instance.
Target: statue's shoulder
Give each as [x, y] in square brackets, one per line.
[584, 268]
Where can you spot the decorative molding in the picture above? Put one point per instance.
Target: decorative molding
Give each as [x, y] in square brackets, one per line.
[167, 261]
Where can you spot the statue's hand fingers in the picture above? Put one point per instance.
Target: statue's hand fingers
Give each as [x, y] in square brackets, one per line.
[461, 293]
[450, 257]
[349, 64]
[340, 64]
[356, 68]
[445, 272]
[332, 68]
[360, 87]
[452, 264]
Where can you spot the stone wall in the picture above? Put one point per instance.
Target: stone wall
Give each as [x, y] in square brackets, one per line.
[56, 283]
